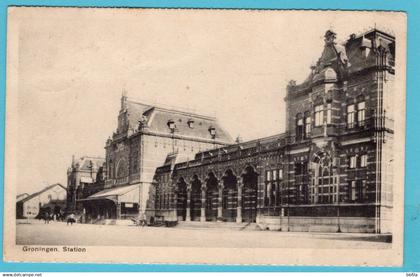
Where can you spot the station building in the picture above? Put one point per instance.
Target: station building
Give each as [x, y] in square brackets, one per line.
[144, 137]
[331, 170]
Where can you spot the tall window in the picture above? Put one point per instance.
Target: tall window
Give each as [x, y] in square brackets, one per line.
[301, 168]
[353, 191]
[319, 115]
[361, 113]
[363, 160]
[353, 161]
[299, 127]
[268, 175]
[350, 116]
[357, 190]
[307, 125]
[280, 174]
[329, 113]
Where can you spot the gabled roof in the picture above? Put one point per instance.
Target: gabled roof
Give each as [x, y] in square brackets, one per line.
[41, 191]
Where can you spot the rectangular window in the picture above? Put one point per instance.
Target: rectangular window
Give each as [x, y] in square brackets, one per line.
[319, 115]
[299, 128]
[268, 175]
[298, 169]
[353, 191]
[308, 126]
[329, 113]
[274, 175]
[363, 160]
[350, 116]
[353, 161]
[360, 190]
[361, 113]
[280, 174]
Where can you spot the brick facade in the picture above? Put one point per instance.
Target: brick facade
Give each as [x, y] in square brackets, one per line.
[330, 171]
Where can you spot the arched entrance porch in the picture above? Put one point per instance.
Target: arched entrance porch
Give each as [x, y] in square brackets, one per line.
[181, 199]
[195, 198]
[212, 197]
[230, 196]
[249, 195]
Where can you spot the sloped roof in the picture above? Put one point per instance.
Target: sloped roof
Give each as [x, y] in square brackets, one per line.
[85, 162]
[135, 113]
[157, 118]
[22, 194]
[41, 191]
[112, 192]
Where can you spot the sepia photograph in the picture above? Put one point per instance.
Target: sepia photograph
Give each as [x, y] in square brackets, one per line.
[199, 136]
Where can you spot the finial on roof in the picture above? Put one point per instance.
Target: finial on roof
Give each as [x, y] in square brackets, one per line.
[124, 99]
[238, 139]
[72, 160]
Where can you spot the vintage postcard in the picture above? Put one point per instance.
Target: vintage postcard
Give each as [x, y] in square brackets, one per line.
[184, 136]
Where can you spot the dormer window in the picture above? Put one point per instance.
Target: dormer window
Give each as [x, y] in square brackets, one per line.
[365, 47]
[191, 123]
[212, 132]
[171, 125]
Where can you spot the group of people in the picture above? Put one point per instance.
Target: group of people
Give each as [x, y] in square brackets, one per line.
[47, 217]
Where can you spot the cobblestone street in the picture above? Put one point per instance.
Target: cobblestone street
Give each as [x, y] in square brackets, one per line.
[58, 233]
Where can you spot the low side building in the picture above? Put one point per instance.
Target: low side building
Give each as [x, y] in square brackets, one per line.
[21, 196]
[331, 171]
[51, 199]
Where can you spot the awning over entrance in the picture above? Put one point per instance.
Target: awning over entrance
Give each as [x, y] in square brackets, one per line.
[127, 194]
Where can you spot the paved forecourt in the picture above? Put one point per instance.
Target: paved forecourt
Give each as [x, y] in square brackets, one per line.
[58, 233]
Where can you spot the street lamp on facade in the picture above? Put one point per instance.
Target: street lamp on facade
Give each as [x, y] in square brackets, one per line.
[172, 127]
[212, 132]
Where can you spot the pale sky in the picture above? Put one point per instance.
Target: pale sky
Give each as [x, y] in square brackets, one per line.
[235, 65]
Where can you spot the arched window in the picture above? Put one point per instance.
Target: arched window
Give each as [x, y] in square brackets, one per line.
[122, 169]
[323, 184]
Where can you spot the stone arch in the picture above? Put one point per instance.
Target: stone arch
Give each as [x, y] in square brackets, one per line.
[181, 192]
[249, 193]
[229, 195]
[195, 202]
[121, 169]
[322, 185]
[249, 167]
[212, 196]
